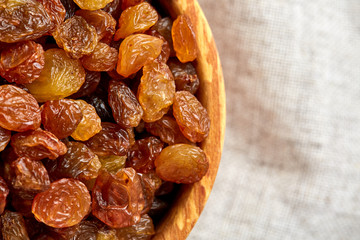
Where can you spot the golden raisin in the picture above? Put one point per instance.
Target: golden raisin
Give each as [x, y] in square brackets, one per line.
[90, 123]
[64, 204]
[192, 117]
[184, 39]
[136, 19]
[135, 51]
[92, 5]
[156, 90]
[61, 77]
[181, 163]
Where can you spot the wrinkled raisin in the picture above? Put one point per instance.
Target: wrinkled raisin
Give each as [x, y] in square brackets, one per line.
[92, 5]
[164, 26]
[165, 50]
[129, 3]
[90, 123]
[135, 51]
[113, 8]
[185, 76]
[22, 63]
[19, 111]
[55, 10]
[150, 183]
[167, 130]
[192, 117]
[117, 198]
[111, 140]
[125, 107]
[37, 144]
[79, 162]
[61, 117]
[76, 37]
[61, 77]
[103, 58]
[101, 107]
[13, 226]
[103, 22]
[64, 204]
[70, 8]
[184, 40]
[112, 163]
[181, 163]
[136, 19]
[23, 20]
[143, 153]
[156, 90]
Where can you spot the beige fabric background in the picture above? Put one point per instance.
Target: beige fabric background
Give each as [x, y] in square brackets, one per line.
[291, 162]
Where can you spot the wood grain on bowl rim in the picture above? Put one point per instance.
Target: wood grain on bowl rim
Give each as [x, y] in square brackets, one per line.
[191, 200]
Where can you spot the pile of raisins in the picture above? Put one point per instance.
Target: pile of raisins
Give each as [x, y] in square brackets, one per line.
[98, 117]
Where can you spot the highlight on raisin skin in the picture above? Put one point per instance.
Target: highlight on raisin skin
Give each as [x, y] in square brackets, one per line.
[184, 39]
[181, 163]
[135, 51]
[61, 117]
[185, 76]
[19, 110]
[35, 21]
[76, 37]
[22, 63]
[118, 198]
[61, 77]
[126, 109]
[4, 192]
[144, 229]
[5, 136]
[37, 144]
[13, 226]
[192, 117]
[64, 204]
[102, 59]
[136, 19]
[56, 11]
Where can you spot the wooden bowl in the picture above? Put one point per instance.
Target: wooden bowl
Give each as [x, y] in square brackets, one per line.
[191, 199]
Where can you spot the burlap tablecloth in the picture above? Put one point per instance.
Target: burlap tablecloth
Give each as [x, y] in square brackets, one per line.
[291, 162]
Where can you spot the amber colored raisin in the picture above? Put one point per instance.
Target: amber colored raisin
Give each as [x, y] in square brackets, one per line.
[28, 176]
[106, 234]
[61, 117]
[185, 76]
[167, 130]
[156, 90]
[165, 50]
[113, 8]
[22, 63]
[192, 117]
[79, 162]
[23, 20]
[125, 107]
[135, 51]
[13, 226]
[92, 80]
[19, 111]
[61, 77]
[112, 163]
[103, 22]
[118, 198]
[129, 3]
[4, 191]
[37, 144]
[5, 136]
[150, 183]
[131, 133]
[143, 153]
[184, 39]
[76, 37]
[55, 10]
[181, 163]
[85, 230]
[164, 26]
[143, 230]
[111, 140]
[103, 58]
[136, 19]
[64, 204]
[92, 5]
[89, 125]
